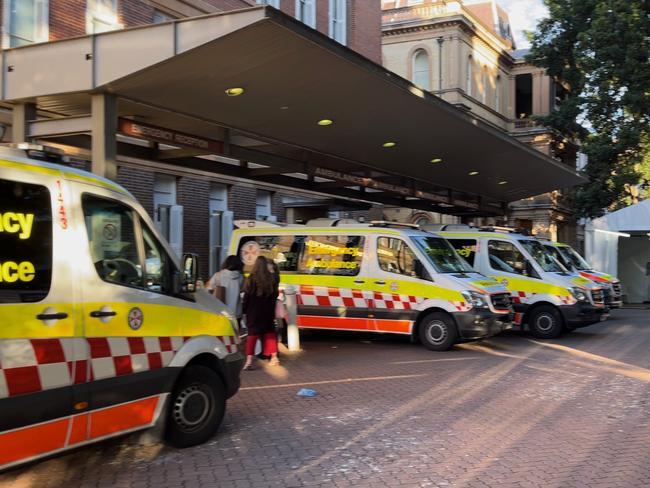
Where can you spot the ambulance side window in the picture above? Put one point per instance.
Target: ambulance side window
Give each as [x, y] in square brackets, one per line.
[25, 242]
[284, 250]
[395, 256]
[466, 248]
[334, 255]
[158, 265]
[111, 234]
[504, 256]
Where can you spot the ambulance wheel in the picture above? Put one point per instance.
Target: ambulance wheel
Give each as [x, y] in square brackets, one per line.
[438, 331]
[196, 407]
[545, 322]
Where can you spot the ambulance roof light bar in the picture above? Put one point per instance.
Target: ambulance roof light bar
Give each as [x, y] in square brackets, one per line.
[386, 223]
[41, 152]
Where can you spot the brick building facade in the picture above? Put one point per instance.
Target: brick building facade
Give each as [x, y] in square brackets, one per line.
[28, 21]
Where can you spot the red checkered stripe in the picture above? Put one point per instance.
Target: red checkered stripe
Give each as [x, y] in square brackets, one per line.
[520, 296]
[519, 317]
[566, 300]
[461, 306]
[325, 296]
[32, 365]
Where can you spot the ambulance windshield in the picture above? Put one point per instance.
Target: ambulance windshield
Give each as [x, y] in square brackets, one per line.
[546, 260]
[574, 258]
[442, 255]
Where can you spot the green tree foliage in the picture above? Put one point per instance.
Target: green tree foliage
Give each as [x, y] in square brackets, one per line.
[600, 51]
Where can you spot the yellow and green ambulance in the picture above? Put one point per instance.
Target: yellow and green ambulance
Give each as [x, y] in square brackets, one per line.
[547, 298]
[102, 330]
[572, 260]
[380, 278]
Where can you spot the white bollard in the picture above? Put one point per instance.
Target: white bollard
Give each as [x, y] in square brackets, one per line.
[293, 335]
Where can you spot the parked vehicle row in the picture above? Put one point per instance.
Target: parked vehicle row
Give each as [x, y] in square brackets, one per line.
[105, 333]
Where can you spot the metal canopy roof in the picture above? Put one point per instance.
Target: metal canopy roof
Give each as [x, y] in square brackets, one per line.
[175, 75]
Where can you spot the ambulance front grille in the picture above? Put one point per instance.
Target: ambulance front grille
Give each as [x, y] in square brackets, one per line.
[617, 289]
[501, 301]
[598, 296]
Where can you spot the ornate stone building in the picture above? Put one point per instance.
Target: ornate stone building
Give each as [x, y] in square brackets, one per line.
[464, 52]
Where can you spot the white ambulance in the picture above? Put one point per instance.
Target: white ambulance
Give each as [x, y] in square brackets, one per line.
[547, 298]
[572, 260]
[102, 331]
[379, 278]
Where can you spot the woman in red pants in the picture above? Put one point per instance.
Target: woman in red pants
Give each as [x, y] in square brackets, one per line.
[260, 296]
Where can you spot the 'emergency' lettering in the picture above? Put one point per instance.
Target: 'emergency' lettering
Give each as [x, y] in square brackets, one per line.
[17, 223]
[10, 272]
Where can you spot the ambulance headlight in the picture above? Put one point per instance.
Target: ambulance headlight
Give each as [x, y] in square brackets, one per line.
[579, 294]
[475, 299]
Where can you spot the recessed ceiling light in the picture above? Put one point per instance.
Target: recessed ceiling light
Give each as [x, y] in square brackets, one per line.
[234, 92]
[504, 182]
[284, 107]
[325, 122]
[389, 144]
[436, 160]
[473, 173]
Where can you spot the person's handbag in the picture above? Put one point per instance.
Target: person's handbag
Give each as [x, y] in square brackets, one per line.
[219, 293]
[280, 310]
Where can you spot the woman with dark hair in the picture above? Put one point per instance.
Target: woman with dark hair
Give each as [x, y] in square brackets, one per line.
[230, 279]
[260, 296]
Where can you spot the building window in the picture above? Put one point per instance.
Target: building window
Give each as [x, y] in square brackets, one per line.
[168, 216]
[421, 69]
[338, 20]
[263, 211]
[101, 16]
[26, 21]
[469, 75]
[484, 84]
[271, 3]
[306, 12]
[523, 96]
[497, 96]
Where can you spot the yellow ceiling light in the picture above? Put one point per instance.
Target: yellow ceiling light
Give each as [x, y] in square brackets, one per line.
[473, 173]
[389, 144]
[325, 122]
[436, 160]
[234, 92]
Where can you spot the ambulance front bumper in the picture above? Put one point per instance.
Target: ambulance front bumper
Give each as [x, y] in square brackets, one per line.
[479, 324]
[583, 314]
[232, 366]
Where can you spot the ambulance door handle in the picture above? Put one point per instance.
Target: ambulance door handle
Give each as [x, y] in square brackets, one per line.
[359, 282]
[97, 314]
[52, 316]
[380, 282]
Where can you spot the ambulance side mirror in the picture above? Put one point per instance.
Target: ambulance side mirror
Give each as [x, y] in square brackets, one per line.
[189, 273]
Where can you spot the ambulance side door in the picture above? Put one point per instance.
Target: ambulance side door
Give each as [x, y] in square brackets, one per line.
[133, 321]
[397, 271]
[508, 265]
[41, 357]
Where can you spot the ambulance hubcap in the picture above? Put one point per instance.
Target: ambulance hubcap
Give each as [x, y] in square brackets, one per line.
[191, 408]
[544, 323]
[436, 332]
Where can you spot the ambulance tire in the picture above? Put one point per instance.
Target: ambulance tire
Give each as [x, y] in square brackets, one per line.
[545, 322]
[196, 407]
[438, 331]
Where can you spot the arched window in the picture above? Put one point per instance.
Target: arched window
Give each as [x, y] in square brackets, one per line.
[422, 69]
[497, 97]
[484, 84]
[469, 75]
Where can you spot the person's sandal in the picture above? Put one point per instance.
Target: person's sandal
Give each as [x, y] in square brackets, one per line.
[274, 362]
[249, 367]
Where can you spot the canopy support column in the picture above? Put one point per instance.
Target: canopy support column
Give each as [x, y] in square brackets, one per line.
[21, 116]
[104, 139]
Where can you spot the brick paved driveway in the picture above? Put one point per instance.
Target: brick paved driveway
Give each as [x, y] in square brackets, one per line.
[509, 412]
